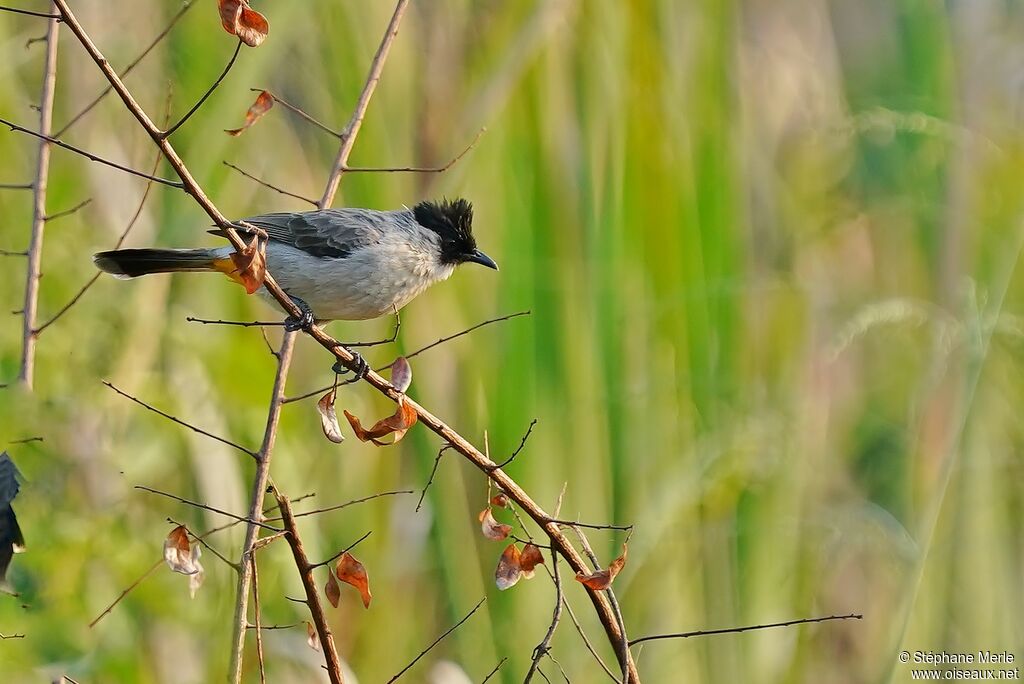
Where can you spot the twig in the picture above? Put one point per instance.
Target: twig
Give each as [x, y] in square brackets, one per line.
[9, 253]
[377, 343]
[591, 526]
[265, 627]
[127, 70]
[131, 224]
[207, 507]
[522, 443]
[342, 552]
[356, 121]
[622, 648]
[287, 105]
[26, 440]
[586, 642]
[68, 212]
[259, 488]
[231, 62]
[91, 156]
[199, 540]
[544, 646]
[433, 471]
[346, 504]
[181, 422]
[127, 590]
[438, 640]
[11, 636]
[15, 186]
[33, 272]
[269, 186]
[494, 671]
[419, 351]
[316, 610]
[256, 609]
[418, 169]
[30, 13]
[748, 628]
[243, 324]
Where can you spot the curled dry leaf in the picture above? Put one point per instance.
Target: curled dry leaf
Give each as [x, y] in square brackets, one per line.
[401, 374]
[251, 265]
[328, 417]
[529, 559]
[491, 528]
[508, 571]
[403, 419]
[255, 112]
[351, 571]
[311, 639]
[602, 579]
[178, 551]
[500, 500]
[240, 20]
[331, 590]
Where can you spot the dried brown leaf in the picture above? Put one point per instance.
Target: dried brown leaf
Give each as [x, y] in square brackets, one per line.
[178, 551]
[530, 558]
[251, 264]
[255, 112]
[399, 423]
[508, 571]
[329, 418]
[500, 500]
[401, 374]
[311, 639]
[240, 20]
[331, 590]
[602, 579]
[351, 571]
[491, 528]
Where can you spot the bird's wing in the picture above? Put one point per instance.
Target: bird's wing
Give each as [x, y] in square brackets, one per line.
[333, 233]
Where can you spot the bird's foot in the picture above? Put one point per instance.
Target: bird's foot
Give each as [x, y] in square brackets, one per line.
[362, 368]
[303, 322]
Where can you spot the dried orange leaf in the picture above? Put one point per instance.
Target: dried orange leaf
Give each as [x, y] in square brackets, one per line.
[602, 579]
[240, 20]
[331, 590]
[508, 571]
[491, 528]
[311, 639]
[351, 571]
[401, 374]
[529, 559]
[251, 265]
[260, 107]
[500, 500]
[328, 417]
[404, 418]
[178, 552]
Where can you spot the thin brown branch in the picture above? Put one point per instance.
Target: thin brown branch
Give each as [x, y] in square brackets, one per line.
[26, 440]
[8, 253]
[90, 156]
[207, 507]
[68, 212]
[342, 552]
[287, 105]
[265, 627]
[377, 343]
[622, 647]
[127, 70]
[33, 272]
[243, 324]
[202, 542]
[348, 138]
[269, 186]
[438, 640]
[337, 507]
[522, 443]
[181, 122]
[433, 471]
[11, 636]
[544, 646]
[587, 643]
[748, 628]
[316, 609]
[124, 234]
[259, 487]
[418, 169]
[15, 186]
[127, 590]
[16, 10]
[256, 610]
[494, 671]
[182, 422]
[591, 526]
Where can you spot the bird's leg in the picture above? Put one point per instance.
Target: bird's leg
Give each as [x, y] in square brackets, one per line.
[362, 368]
[304, 321]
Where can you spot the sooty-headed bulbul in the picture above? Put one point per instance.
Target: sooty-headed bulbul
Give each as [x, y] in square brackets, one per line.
[339, 264]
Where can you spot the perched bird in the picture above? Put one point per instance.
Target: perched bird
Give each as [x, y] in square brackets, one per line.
[337, 264]
[11, 539]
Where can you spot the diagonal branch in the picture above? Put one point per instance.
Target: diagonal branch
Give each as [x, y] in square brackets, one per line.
[748, 628]
[33, 273]
[438, 640]
[188, 115]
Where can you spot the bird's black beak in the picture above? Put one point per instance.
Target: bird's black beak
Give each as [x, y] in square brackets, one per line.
[478, 257]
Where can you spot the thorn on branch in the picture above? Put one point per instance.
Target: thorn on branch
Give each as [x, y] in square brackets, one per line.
[32, 41]
[269, 186]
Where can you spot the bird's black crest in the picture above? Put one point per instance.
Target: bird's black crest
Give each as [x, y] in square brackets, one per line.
[452, 220]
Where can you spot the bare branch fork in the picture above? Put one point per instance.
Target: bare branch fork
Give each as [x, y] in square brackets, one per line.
[558, 540]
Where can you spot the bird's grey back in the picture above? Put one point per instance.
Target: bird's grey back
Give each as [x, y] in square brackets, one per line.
[335, 233]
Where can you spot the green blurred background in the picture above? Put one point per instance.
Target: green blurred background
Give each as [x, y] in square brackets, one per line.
[770, 249]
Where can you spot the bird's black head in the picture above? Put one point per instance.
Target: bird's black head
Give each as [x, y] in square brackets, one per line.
[453, 223]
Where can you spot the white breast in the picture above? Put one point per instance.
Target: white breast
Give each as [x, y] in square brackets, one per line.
[372, 281]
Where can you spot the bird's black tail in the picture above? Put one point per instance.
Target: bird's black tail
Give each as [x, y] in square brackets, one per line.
[130, 263]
